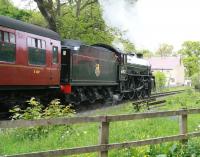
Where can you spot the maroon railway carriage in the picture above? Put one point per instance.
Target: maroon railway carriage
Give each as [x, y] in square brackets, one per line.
[29, 55]
[29, 59]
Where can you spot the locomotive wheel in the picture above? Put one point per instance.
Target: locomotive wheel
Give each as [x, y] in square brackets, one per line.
[121, 96]
[131, 95]
[145, 93]
[91, 95]
[139, 94]
[76, 98]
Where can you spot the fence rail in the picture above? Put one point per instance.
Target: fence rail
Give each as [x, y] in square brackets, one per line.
[104, 145]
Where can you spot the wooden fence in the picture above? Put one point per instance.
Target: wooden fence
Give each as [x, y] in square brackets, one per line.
[104, 146]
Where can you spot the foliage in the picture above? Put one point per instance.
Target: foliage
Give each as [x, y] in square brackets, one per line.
[160, 79]
[128, 46]
[190, 52]
[79, 19]
[191, 64]
[165, 50]
[37, 19]
[8, 9]
[146, 53]
[196, 80]
[36, 110]
[88, 26]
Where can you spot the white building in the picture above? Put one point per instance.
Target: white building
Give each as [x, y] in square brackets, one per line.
[172, 67]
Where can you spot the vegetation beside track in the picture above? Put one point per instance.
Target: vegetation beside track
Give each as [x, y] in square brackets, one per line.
[45, 138]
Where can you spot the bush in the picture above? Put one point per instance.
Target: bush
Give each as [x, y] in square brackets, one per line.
[36, 110]
[196, 80]
[160, 80]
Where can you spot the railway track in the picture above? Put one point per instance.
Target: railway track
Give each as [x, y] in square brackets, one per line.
[150, 101]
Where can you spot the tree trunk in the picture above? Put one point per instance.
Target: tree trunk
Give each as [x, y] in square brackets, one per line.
[46, 9]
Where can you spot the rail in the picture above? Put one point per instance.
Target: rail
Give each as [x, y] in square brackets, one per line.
[104, 146]
[152, 99]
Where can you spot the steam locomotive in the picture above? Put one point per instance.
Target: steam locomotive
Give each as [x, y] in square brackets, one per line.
[35, 62]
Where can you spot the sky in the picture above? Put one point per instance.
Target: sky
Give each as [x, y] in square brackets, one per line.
[25, 4]
[149, 23]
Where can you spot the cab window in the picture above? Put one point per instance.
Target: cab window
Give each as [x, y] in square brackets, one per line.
[36, 51]
[7, 47]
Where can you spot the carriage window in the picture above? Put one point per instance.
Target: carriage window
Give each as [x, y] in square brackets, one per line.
[55, 54]
[7, 50]
[6, 37]
[36, 51]
[39, 44]
[43, 44]
[29, 42]
[33, 42]
[12, 38]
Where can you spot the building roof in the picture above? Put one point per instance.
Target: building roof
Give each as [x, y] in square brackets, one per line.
[29, 28]
[164, 63]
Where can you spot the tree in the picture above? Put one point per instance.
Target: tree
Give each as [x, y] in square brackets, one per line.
[8, 9]
[165, 50]
[196, 80]
[190, 48]
[160, 79]
[190, 52]
[76, 19]
[52, 9]
[146, 53]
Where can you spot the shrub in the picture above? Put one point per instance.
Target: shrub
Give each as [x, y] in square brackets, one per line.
[160, 79]
[36, 110]
[196, 80]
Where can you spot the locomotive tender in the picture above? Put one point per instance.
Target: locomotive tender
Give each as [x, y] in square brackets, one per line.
[34, 61]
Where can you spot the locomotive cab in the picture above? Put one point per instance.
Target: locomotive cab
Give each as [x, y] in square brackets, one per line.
[65, 65]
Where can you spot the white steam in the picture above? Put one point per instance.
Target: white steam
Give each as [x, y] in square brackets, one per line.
[149, 23]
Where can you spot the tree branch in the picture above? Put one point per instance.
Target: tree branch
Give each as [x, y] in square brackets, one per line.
[88, 3]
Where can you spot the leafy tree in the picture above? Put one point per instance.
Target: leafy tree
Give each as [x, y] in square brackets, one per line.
[146, 53]
[190, 48]
[191, 64]
[160, 79]
[165, 50]
[76, 19]
[8, 9]
[128, 46]
[190, 52]
[37, 19]
[196, 80]
[88, 26]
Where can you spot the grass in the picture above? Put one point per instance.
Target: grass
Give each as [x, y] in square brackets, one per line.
[15, 141]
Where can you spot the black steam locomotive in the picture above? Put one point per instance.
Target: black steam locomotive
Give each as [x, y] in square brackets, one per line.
[89, 73]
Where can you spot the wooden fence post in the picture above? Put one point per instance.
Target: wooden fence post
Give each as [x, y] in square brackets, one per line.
[104, 136]
[183, 127]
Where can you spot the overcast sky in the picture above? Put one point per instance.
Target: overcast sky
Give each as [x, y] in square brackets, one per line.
[149, 23]
[25, 4]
